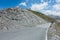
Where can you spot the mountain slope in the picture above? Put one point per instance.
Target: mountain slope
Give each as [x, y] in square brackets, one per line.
[15, 18]
[54, 28]
[43, 16]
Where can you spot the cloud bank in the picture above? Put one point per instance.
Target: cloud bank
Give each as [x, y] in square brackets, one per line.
[48, 7]
[53, 10]
[38, 7]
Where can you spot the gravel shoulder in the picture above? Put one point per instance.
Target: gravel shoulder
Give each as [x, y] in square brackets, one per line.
[53, 33]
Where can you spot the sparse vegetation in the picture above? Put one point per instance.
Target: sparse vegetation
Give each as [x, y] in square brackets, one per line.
[57, 24]
[43, 16]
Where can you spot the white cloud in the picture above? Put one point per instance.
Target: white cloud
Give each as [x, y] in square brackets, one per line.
[57, 1]
[38, 7]
[54, 11]
[51, 12]
[56, 7]
[23, 3]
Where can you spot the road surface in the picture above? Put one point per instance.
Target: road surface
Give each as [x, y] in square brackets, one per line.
[29, 33]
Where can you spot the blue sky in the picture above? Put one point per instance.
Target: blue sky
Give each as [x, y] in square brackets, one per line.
[51, 7]
[9, 3]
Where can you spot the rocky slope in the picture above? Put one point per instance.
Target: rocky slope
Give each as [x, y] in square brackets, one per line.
[15, 18]
[53, 33]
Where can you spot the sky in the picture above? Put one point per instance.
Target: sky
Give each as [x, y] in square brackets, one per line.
[48, 7]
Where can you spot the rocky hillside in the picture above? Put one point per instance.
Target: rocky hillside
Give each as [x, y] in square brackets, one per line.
[15, 18]
[54, 30]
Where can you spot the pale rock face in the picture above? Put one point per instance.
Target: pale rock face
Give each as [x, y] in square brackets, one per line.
[25, 22]
[15, 18]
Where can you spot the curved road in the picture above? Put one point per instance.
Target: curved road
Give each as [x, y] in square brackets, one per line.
[31, 33]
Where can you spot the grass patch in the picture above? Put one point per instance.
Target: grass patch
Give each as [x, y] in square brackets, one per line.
[57, 24]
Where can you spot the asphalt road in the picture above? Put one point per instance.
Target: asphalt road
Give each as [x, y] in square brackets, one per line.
[30, 33]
